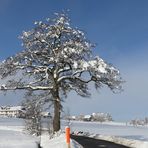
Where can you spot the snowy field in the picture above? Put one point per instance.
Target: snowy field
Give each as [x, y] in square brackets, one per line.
[110, 128]
[12, 134]
[121, 133]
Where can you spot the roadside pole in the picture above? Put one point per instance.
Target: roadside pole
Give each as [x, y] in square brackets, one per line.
[67, 131]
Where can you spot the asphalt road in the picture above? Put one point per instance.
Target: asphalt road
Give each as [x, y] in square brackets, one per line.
[87, 142]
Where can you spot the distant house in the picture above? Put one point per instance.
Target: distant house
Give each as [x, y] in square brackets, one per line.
[14, 111]
[87, 118]
[73, 117]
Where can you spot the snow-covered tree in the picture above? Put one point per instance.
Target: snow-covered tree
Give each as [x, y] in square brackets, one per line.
[57, 58]
[101, 117]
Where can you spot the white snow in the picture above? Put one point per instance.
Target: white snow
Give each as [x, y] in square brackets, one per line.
[85, 65]
[25, 34]
[99, 65]
[12, 135]
[16, 139]
[75, 65]
[57, 142]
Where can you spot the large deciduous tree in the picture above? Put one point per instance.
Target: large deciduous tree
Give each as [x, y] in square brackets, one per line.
[57, 58]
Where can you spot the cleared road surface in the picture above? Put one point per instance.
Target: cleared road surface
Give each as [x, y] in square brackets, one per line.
[87, 142]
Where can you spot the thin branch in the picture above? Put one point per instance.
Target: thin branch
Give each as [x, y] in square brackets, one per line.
[72, 78]
[65, 68]
[41, 79]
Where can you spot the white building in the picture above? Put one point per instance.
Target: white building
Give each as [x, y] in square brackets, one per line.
[15, 111]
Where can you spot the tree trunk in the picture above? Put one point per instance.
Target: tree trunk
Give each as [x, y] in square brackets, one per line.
[57, 110]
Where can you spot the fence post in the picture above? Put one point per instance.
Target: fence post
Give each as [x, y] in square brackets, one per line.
[67, 131]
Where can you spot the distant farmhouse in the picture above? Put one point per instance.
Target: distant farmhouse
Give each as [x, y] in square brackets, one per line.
[14, 111]
[46, 114]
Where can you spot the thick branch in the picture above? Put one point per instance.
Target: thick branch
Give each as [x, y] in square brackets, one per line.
[65, 69]
[26, 87]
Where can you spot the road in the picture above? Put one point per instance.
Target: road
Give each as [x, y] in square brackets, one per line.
[87, 142]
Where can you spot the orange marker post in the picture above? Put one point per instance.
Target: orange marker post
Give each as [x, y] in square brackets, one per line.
[67, 131]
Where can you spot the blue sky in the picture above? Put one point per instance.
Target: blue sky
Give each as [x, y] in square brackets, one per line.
[118, 27]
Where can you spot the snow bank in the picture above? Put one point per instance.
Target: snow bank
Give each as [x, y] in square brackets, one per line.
[119, 140]
[121, 133]
[123, 141]
[57, 142]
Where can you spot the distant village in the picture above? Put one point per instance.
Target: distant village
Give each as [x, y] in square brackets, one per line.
[19, 112]
[100, 117]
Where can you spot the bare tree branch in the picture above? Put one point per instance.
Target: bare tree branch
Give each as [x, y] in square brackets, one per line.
[26, 87]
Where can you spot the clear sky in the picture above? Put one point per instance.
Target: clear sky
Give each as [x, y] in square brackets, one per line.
[118, 27]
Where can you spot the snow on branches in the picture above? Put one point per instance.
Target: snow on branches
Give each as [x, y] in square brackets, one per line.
[54, 52]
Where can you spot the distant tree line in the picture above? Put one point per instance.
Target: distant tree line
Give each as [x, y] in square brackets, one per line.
[137, 122]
